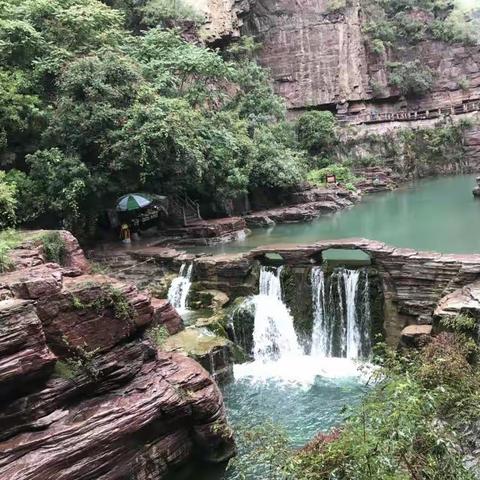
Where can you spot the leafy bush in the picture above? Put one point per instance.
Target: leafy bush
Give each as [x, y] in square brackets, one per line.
[158, 335]
[160, 11]
[316, 131]
[8, 203]
[53, 247]
[412, 79]
[342, 173]
[396, 23]
[8, 239]
[407, 427]
[377, 46]
[337, 5]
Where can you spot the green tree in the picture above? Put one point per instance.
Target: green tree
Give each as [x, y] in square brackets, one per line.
[411, 78]
[8, 203]
[95, 93]
[63, 187]
[316, 131]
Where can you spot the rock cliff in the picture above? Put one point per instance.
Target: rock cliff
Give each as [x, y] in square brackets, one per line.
[319, 58]
[85, 393]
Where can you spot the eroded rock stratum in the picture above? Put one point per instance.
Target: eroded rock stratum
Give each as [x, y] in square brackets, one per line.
[85, 393]
[319, 58]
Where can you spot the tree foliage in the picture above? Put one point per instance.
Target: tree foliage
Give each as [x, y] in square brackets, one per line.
[411, 78]
[316, 131]
[91, 110]
[8, 203]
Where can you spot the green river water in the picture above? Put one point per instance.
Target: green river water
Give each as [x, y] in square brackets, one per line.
[437, 214]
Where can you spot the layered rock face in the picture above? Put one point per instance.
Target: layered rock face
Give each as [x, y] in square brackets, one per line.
[319, 58]
[85, 393]
[316, 57]
[303, 206]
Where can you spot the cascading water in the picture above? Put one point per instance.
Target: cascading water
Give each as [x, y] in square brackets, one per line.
[274, 336]
[337, 337]
[180, 287]
[320, 331]
[341, 321]
[353, 346]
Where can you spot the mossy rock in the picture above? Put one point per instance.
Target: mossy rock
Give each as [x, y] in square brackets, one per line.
[297, 295]
[194, 341]
[216, 323]
[214, 299]
[241, 318]
[216, 354]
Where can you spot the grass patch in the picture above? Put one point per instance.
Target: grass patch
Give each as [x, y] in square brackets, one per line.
[9, 239]
[158, 335]
[54, 248]
[111, 298]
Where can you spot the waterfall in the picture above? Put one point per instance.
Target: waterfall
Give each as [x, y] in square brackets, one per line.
[274, 336]
[342, 321]
[320, 331]
[352, 334]
[178, 291]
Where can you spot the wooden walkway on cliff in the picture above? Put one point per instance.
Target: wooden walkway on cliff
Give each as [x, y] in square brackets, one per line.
[411, 115]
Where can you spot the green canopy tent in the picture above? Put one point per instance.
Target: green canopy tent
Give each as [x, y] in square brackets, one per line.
[133, 201]
[141, 209]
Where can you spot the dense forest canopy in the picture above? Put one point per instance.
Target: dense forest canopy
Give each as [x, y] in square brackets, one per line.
[98, 99]
[89, 111]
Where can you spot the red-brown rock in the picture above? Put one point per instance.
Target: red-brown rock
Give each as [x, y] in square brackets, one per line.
[165, 314]
[141, 427]
[107, 405]
[24, 354]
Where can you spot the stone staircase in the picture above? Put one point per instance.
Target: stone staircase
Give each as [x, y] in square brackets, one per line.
[184, 210]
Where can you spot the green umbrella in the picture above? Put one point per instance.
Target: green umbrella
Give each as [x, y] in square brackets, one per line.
[133, 201]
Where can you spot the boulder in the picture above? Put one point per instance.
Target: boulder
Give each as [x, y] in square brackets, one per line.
[165, 314]
[32, 283]
[234, 274]
[416, 335]
[465, 300]
[24, 353]
[214, 353]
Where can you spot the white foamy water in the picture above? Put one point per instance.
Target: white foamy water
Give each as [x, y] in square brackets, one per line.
[274, 336]
[180, 287]
[320, 332]
[302, 370]
[277, 353]
[353, 340]
[341, 314]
